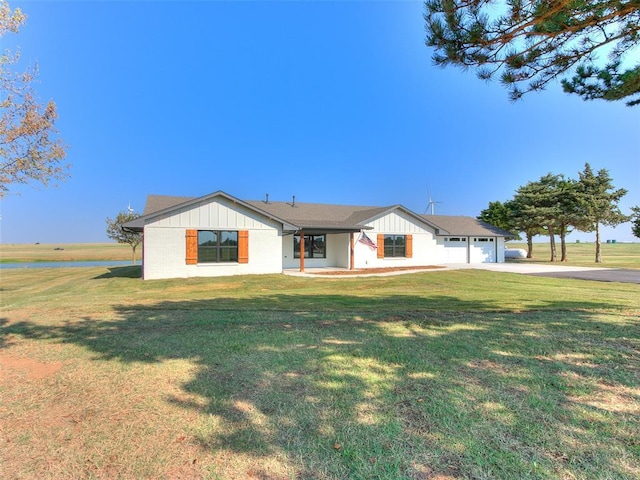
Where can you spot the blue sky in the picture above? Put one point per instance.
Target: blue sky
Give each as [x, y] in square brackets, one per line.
[334, 102]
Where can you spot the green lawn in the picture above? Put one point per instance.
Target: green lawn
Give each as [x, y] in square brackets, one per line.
[614, 255]
[445, 374]
[65, 252]
[618, 255]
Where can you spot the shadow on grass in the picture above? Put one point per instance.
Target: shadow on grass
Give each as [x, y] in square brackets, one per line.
[350, 387]
[131, 271]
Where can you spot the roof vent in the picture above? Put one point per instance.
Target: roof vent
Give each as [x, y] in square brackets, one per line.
[293, 202]
[266, 200]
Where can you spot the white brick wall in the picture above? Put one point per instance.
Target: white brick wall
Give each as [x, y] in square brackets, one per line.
[165, 244]
[165, 251]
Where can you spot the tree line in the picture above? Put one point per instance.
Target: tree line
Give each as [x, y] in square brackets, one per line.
[556, 205]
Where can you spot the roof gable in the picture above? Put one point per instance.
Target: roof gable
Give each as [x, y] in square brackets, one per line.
[155, 203]
[158, 205]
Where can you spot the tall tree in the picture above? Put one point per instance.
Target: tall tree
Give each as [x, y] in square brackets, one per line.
[115, 231]
[532, 42]
[537, 205]
[524, 219]
[598, 203]
[498, 214]
[30, 149]
[568, 212]
[635, 221]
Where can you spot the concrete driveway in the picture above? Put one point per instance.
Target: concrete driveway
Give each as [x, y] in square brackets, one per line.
[598, 274]
[558, 271]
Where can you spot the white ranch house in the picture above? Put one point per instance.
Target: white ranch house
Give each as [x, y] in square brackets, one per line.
[218, 234]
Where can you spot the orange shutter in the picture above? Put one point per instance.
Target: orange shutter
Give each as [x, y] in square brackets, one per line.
[381, 245]
[243, 246]
[409, 246]
[192, 247]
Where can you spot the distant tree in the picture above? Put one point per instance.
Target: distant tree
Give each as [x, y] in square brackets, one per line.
[30, 150]
[539, 205]
[568, 212]
[499, 215]
[635, 221]
[524, 219]
[532, 42]
[115, 231]
[598, 203]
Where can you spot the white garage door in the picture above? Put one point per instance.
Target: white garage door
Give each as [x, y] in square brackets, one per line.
[483, 250]
[455, 249]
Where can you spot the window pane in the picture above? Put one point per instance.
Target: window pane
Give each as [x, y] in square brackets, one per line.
[314, 246]
[389, 240]
[394, 245]
[207, 238]
[319, 249]
[228, 254]
[207, 255]
[228, 239]
[216, 246]
[308, 246]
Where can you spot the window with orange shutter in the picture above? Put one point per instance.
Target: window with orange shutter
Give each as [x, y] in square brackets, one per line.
[217, 246]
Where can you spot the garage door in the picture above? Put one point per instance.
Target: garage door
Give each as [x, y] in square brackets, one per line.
[483, 250]
[455, 249]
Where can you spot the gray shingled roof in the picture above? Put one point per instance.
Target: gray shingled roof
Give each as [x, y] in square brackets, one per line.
[301, 214]
[322, 216]
[460, 225]
[155, 203]
[309, 216]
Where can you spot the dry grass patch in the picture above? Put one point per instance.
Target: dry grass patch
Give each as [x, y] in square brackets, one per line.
[65, 252]
[411, 377]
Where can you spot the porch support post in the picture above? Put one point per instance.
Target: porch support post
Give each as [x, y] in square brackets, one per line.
[301, 251]
[351, 252]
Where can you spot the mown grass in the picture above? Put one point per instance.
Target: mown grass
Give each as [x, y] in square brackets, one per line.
[445, 374]
[614, 255]
[65, 252]
[618, 255]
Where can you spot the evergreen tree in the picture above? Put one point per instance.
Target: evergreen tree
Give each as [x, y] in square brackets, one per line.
[115, 231]
[532, 42]
[568, 212]
[538, 206]
[635, 221]
[524, 219]
[500, 215]
[598, 203]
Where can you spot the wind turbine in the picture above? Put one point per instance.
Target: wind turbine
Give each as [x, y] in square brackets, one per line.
[432, 203]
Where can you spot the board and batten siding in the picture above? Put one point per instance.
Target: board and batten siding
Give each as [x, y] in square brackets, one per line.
[165, 241]
[218, 213]
[423, 242]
